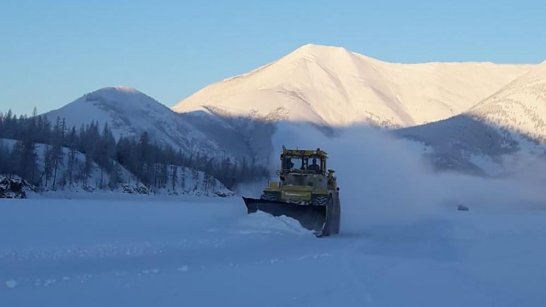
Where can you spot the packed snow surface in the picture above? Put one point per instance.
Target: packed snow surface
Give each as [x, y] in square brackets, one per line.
[209, 252]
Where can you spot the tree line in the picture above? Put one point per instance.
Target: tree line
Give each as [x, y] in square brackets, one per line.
[153, 164]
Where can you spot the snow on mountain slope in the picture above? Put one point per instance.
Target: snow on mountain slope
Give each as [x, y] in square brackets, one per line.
[244, 137]
[519, 107]
[129, 112]
[332, 86]
[512, 120]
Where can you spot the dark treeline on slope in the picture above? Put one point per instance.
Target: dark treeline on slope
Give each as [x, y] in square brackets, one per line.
[152, 164]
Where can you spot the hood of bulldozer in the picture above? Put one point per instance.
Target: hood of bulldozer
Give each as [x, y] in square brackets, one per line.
[296, 193]
[291, 193]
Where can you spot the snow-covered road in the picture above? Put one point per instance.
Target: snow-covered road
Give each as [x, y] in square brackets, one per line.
[208, 252]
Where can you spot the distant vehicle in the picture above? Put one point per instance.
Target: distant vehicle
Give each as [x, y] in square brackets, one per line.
[306, 191]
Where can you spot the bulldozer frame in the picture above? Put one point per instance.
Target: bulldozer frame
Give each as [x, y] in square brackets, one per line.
[306, 191]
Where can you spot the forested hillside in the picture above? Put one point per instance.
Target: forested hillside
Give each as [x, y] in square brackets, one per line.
[53, 156]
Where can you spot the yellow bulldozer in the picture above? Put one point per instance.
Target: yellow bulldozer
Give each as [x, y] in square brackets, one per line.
[306, 191]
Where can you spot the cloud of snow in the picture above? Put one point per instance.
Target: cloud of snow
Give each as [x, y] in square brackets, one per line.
[385, 180]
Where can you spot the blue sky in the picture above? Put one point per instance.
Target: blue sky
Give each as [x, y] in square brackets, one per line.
[52, 52]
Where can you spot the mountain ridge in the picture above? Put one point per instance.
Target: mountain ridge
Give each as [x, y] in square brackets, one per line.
[328, 87]
[511, 120]
[313, 83]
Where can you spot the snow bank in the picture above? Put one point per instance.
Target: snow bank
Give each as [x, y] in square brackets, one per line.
[263, 223]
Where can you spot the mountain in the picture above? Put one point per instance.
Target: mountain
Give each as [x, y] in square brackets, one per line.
[509, 121]
[331, 86]
[129, 113]
[519, 107]
[458, 109]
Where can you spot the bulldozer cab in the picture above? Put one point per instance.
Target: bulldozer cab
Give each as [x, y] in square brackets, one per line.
[303, 161]
[305, 168]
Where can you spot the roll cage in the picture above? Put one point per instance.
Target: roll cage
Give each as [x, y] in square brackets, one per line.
[303, 161]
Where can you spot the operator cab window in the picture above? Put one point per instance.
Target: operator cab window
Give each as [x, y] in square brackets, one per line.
[314, 164]
[288, 164]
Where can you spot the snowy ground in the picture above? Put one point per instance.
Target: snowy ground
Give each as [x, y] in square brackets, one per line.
[208, 252]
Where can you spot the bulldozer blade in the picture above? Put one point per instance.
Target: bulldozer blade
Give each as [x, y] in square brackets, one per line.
[309, 216]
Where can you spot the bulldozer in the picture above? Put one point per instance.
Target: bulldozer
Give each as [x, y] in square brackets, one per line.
[306, 191]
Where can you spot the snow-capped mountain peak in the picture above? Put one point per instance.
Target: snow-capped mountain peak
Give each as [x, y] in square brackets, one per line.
[129, 113]
[335, 87]
[323, 54]
[121, 96]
